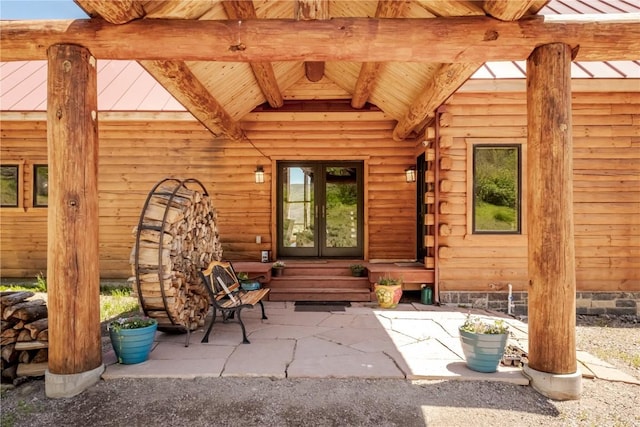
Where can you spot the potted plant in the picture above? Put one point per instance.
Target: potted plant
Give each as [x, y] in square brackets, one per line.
[357, 270]
[388, 291]
[246, 283]
[483, 342]
[132, 338]
[277, 269]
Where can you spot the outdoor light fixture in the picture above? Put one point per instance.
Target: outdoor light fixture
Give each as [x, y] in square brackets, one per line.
[259, 175]
[410, 174]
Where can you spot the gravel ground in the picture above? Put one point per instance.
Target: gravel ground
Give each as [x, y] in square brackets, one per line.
[345, 402]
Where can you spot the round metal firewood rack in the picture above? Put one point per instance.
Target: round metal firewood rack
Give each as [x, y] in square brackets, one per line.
[173, 325]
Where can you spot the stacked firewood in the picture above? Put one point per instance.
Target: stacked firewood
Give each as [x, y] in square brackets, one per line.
[25, 335]
[178, 236]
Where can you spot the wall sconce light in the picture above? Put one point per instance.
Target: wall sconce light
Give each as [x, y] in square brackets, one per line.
[259, 175]
[410, 174]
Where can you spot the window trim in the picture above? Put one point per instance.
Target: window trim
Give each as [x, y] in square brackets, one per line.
[470, 144]
[34, 186]
[18, 166]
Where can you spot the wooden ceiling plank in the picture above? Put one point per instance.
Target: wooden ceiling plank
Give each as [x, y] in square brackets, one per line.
[468, 39]
[445, 82]
[263, 70]
[508, 10]
[177, 78]
[307, 10]
[369, 70]
[114, 11]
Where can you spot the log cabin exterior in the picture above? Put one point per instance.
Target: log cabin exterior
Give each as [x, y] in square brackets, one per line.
[302, 118]
[471, 267]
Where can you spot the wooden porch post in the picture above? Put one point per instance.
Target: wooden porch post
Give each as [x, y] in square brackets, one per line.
[552, 283]
[73, 274]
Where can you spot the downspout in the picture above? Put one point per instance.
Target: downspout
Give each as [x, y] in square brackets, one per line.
[436, 209]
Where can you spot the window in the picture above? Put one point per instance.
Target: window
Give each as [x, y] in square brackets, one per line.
[9, 185]
[40, 186]
[496, 189]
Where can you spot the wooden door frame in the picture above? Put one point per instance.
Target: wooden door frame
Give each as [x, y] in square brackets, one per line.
[362, 166]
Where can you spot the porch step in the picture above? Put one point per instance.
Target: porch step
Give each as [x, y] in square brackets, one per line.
[319, 294]
[319, 282]
[316, 269]
[319, 288]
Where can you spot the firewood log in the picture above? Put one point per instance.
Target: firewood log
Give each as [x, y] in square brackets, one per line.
[10, 372]
[24, 335]
[34, 305]
[9, 354]
[36, 327]
[41, 355]
[9, 298]
[24, 357]
[32, 369]
[43, 335]
[31, 345]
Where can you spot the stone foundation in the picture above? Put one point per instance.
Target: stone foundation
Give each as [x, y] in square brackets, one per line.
[588, 303]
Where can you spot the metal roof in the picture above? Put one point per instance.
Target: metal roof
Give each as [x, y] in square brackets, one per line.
[126, 86]
[579, 70]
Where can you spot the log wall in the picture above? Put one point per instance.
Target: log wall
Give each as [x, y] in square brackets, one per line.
[606, 132]
[139, 149]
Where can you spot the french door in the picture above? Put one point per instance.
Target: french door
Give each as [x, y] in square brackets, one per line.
[320, 209]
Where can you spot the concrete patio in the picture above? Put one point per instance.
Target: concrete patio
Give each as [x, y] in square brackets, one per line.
[413, 342]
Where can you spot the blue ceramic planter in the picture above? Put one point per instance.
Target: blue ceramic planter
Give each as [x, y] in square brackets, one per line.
[133, 345]
[483, 352]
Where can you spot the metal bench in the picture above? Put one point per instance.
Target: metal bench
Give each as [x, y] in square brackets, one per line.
[226, 294]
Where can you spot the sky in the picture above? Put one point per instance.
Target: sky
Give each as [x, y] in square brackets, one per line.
[40, 9]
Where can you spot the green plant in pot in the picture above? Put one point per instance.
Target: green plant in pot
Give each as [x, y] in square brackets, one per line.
[246, 283]
[132, 338]
[483, 342]
[357, 270]
[388, 291]
[277, 268]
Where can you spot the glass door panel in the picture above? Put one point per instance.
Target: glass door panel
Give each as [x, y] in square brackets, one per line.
[297, 208]
[320, 209]
[341, 211]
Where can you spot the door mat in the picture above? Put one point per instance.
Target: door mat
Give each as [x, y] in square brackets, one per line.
[321, 305]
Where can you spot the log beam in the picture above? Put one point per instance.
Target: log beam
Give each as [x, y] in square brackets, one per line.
[450, 77]
[508, 10]
[444, 40]
[369, 70]
[552, 280]
[114, 11]
[305, 10]
[73, 270]
[445, 81]
[263, 70]
[178, 79]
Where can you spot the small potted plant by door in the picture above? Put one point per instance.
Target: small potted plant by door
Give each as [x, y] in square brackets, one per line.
[132, 338]
[357, 270]
[277, 269]
[246, 283]
[388, 292]
[483, 342]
